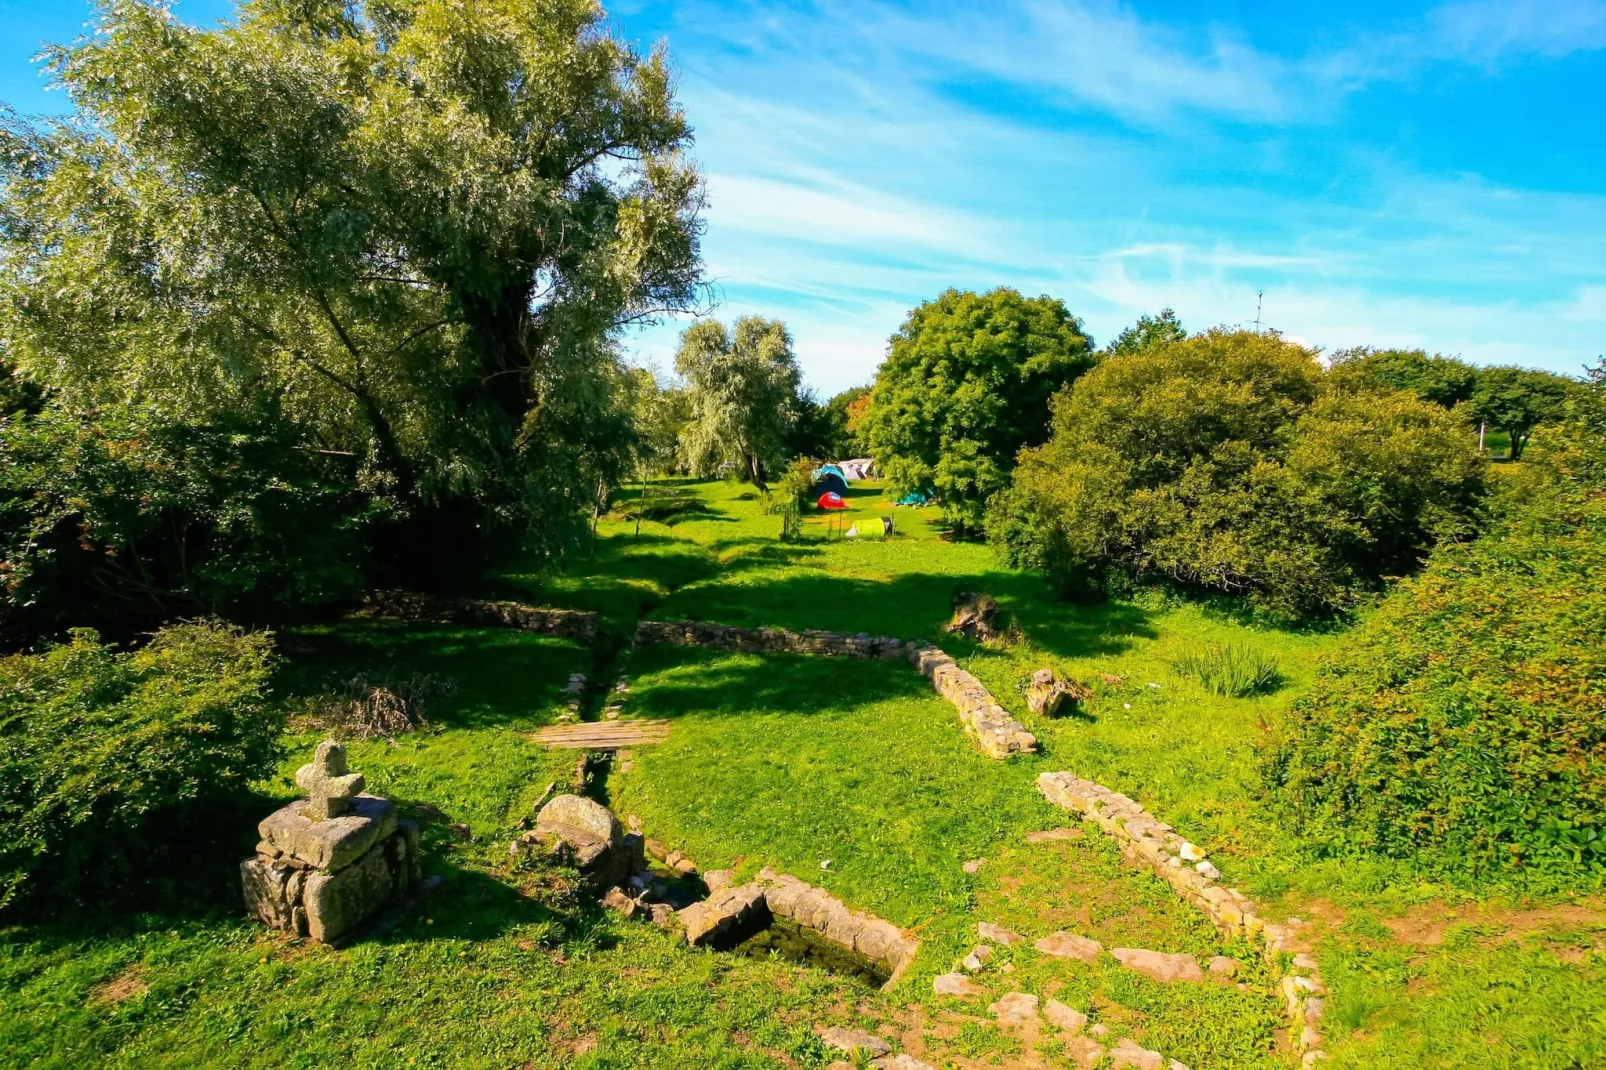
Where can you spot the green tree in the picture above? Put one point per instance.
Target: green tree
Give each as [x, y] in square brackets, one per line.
[825, 431]
[1516, 400]
[1225, 462]
[743, 386]
[1147, 331]
[1442, 380]
[659, 414]
[408, 228]
[965, 385]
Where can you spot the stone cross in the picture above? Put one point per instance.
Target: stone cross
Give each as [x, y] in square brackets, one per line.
[329, 787]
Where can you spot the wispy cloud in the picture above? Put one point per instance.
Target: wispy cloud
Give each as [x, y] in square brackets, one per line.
[863, 158]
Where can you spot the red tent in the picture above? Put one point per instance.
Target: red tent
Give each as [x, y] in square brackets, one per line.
[832, 500]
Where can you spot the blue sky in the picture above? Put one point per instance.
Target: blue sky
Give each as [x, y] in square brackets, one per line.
[1405, 174]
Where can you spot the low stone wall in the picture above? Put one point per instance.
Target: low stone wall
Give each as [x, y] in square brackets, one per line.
[410, 605]
[995, 731]
[1183, 865]
[770, 640]
[863, 934]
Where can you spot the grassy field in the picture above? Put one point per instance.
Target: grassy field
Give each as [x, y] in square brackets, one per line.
[850, 775]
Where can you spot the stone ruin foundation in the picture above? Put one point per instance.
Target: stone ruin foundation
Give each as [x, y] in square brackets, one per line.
[574, 830]
[329, 862]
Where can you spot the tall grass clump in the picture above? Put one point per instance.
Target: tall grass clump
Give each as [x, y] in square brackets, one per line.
[1231, 670]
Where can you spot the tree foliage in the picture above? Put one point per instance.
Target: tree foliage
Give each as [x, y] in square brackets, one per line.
[1516, 400]
[965, 385]
[1442, 380]
[1225, 462]
[1463, 724]
[743, 385]
[405, 229]
[113, 759]
[1158, 330]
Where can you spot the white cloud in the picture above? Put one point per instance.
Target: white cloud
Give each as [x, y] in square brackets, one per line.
[1482, 31]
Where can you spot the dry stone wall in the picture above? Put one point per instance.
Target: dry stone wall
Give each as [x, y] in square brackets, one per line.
[997, 733]
[770, 640]
[411, 605]
[1184, 866]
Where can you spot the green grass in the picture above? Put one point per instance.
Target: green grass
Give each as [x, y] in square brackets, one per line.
[790, 762]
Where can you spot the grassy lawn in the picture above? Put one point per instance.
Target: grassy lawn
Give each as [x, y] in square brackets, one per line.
[851, 775]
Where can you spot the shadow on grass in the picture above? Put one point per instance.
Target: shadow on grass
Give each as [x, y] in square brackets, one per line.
[914, 606]
[195, 888]
[689, 680]
[498, 675]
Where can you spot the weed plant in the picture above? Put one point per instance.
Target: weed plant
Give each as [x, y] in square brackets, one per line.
[1231, 670]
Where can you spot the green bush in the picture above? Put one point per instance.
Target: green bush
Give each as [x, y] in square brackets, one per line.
[1463, 724]
[109, 760]
[1226, 462]
[1231, 670]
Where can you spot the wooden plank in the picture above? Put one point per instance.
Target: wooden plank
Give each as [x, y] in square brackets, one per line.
[602, 735]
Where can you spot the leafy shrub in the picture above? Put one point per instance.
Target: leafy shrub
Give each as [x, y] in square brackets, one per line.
[1225, 462]
[108, 760]
[1231, 670]
[1463, 724]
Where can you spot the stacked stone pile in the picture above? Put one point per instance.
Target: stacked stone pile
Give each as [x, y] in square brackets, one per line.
[1184, 866]
[864, 934]
[770, 640]
[995, 731]
[329, 862]
[410, 605]
[1052, 695]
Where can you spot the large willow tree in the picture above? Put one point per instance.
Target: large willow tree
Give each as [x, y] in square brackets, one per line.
[407, 230]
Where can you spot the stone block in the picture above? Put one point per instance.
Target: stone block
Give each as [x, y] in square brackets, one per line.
[332, 844]
[1159, 965]
[1016, 1008]
[853, 1041]
[336, 903]
[954, 984]
[726, 919]
[1064, 1018]
[1066, 945]
[997, 934]
[1128, 1053]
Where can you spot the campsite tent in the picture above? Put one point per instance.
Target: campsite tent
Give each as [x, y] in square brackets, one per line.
[832, 500]
[915, 498]
[830, 478]
[858, 468]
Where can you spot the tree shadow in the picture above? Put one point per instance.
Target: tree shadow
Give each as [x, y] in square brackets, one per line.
[497, 676]
[707, 682]
[196, 890]
[913, 606]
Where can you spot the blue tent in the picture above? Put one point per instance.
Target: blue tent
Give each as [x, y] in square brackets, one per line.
[830, 478]
[915, 498]
[830, 481]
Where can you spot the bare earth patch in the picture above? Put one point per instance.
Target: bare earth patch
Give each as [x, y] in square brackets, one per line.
[125, 986]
